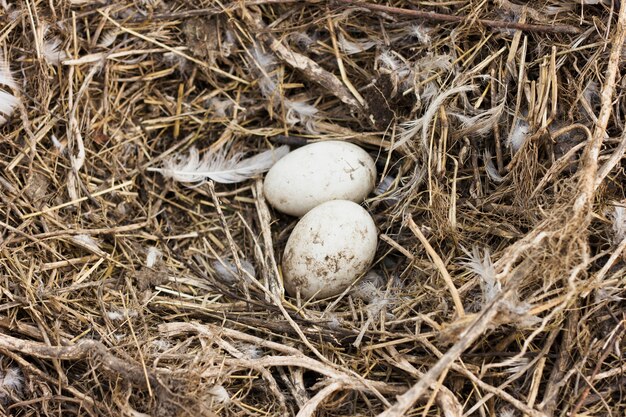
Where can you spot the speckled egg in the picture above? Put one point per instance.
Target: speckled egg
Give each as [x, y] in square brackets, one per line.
[319, 172]
[330, 247]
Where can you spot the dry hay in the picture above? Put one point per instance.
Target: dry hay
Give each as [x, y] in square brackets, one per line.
[498, 289]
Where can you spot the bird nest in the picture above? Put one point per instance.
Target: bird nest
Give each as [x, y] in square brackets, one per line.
[498, 285]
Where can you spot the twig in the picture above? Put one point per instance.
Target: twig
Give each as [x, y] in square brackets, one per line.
[440, 17]
[458, 304]
[617, 334]
[588, 183]
[263, 212]
[309, 408]
[82, 350]
[613, 160]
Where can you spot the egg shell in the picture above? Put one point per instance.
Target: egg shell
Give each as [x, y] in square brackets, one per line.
[330, 247]
[319, 172]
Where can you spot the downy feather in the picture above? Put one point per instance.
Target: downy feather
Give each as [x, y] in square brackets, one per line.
[350, 47]
[410, 129]
[301, 112]
[52, 52]
[8, 101]
[491, 170]
[518, 135]
[216, 166]
[619, 223]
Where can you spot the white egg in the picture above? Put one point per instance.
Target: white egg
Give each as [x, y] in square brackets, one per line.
[330, 247]
[317, 173]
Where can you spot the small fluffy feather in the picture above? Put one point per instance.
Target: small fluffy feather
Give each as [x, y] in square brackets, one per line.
[264, 61]
[219, 394]
[619, 223]
[8, 101]
[153, 256]
[518, 135]
[388, 60]
[350, 47]
[222, 108]
[491, 170]
[51, 51]
[507, 412]
[411, 128]
[482, 123]
[108, 38]
[249, 350]
[89, 243]
[370, 288]
[484, 269]
[6, 78]
[194, 171]
[227, 271]
[421, 34]
[118, 315]
[265, 65]
[302, 113]
[11, 380]
[56, 143]
[161, 344]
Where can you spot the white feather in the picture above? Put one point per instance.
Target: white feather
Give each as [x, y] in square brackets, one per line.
[219, 394]
[57, 144]
[221, 107]
[88, 242]
[301, 112]
[11, 381]
[351, 48]
[6, 78]
[51, 51]
[154, 255]
[265, 62]
[227, 270]
[518, 135]
[421, 33]
[619, 223]
[492, 172]
[108, 38]
[484, 269]
[117, 315]
[481, 123]
[411, 128]
[8, 101]
[161, 344]
[388, 60]
[216, 166]
[265, 65]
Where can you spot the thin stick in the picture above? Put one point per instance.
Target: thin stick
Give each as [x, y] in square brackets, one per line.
[458, 304]
[439, 17]
[588, 182]
[78, 200]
